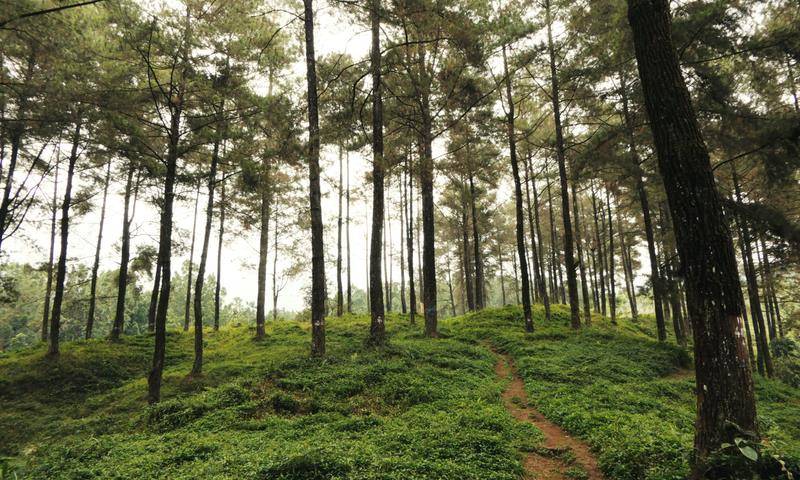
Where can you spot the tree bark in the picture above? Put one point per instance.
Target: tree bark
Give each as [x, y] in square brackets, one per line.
[125, 255]
[520, 219]
[377, 328]
[61, 271]
[263, 248]
[165, 255]
[339, 221]
[412, 293]
[220, 238]
[96, 264]
[600, 252]
[724, 379]
[569, 255]
[468, 279]
[151, 311]
[49, 288]
[197, 367]
[403, 305]
[587, 316]
[188, 303]
[317, 246]
[611, 268]
[347, 236]
[275, 289]
[533, 227]
[480, 301]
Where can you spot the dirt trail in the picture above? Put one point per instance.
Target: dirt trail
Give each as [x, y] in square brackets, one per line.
[553, 462]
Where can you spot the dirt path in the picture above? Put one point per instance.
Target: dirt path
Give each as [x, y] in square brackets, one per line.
[562, 454]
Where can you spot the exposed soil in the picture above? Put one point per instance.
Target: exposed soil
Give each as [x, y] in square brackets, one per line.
[553, 462]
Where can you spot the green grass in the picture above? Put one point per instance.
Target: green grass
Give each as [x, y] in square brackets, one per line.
[631, 398]
[418, 409]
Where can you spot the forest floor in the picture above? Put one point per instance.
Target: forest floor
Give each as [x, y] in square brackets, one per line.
[484, 401]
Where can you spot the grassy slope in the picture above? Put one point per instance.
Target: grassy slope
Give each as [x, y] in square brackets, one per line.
[420, 409]
[629, 397]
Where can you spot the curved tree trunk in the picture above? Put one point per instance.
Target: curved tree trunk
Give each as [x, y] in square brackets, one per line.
[125, 256]
[197, 367]
[49, 288]
[61, 271]
[724, 380]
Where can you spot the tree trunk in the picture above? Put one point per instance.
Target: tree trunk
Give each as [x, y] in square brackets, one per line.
[569, 258]
[151, 311]
[275, 289]
[188, 303]
[412, 293]
[49, 288]
[377, 328]
[627, 268]
[611, 268]
[96, 264]
[347, 236]
[600, 253]
[197, 367]
[61, 271]
[125, 255]
[770, 282]
[655, 278]
[429, 240]
[724, 379]
[220, 238]
[165, 255]
[263, 247]
[533, 227]
[752, 286]
[403, 305]
[450, 287]
[582, 268]
[480, 301]
[512, 145]
[502, 275]
[468, 280]
[339, 286]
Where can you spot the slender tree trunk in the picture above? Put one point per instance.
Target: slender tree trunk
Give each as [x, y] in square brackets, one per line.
[569, 258]
[428, 231]
[480, 301]
[724, 379]
[49, 288]
[220, 239]
[61, 271]
[627, 268]
[275, 289]
[587, 316]
[377, 328]
[553, 255]
[533, 227]
[318, 293]
[263, 247]
[188, 303]
[645, 204]
[165, 255]
[502, 275]
[760, 257]
[520, 218]
[96, 264]
[403, 305]
[600, 253]
[752, 286]
[537, 279]
[197, 367]
[468, 280]
[770, 282]
[125, 255]
[412, 293]
[450, 287]
[516, 277]
[611, 268]
[540, 245]
[151, 311]
[339, 286]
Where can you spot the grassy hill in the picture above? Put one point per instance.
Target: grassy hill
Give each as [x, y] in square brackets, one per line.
[420, 408]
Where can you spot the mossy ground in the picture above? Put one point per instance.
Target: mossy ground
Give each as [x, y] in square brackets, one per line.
[418, 409]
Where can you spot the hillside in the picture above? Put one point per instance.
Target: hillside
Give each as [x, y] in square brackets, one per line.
[420, 408]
